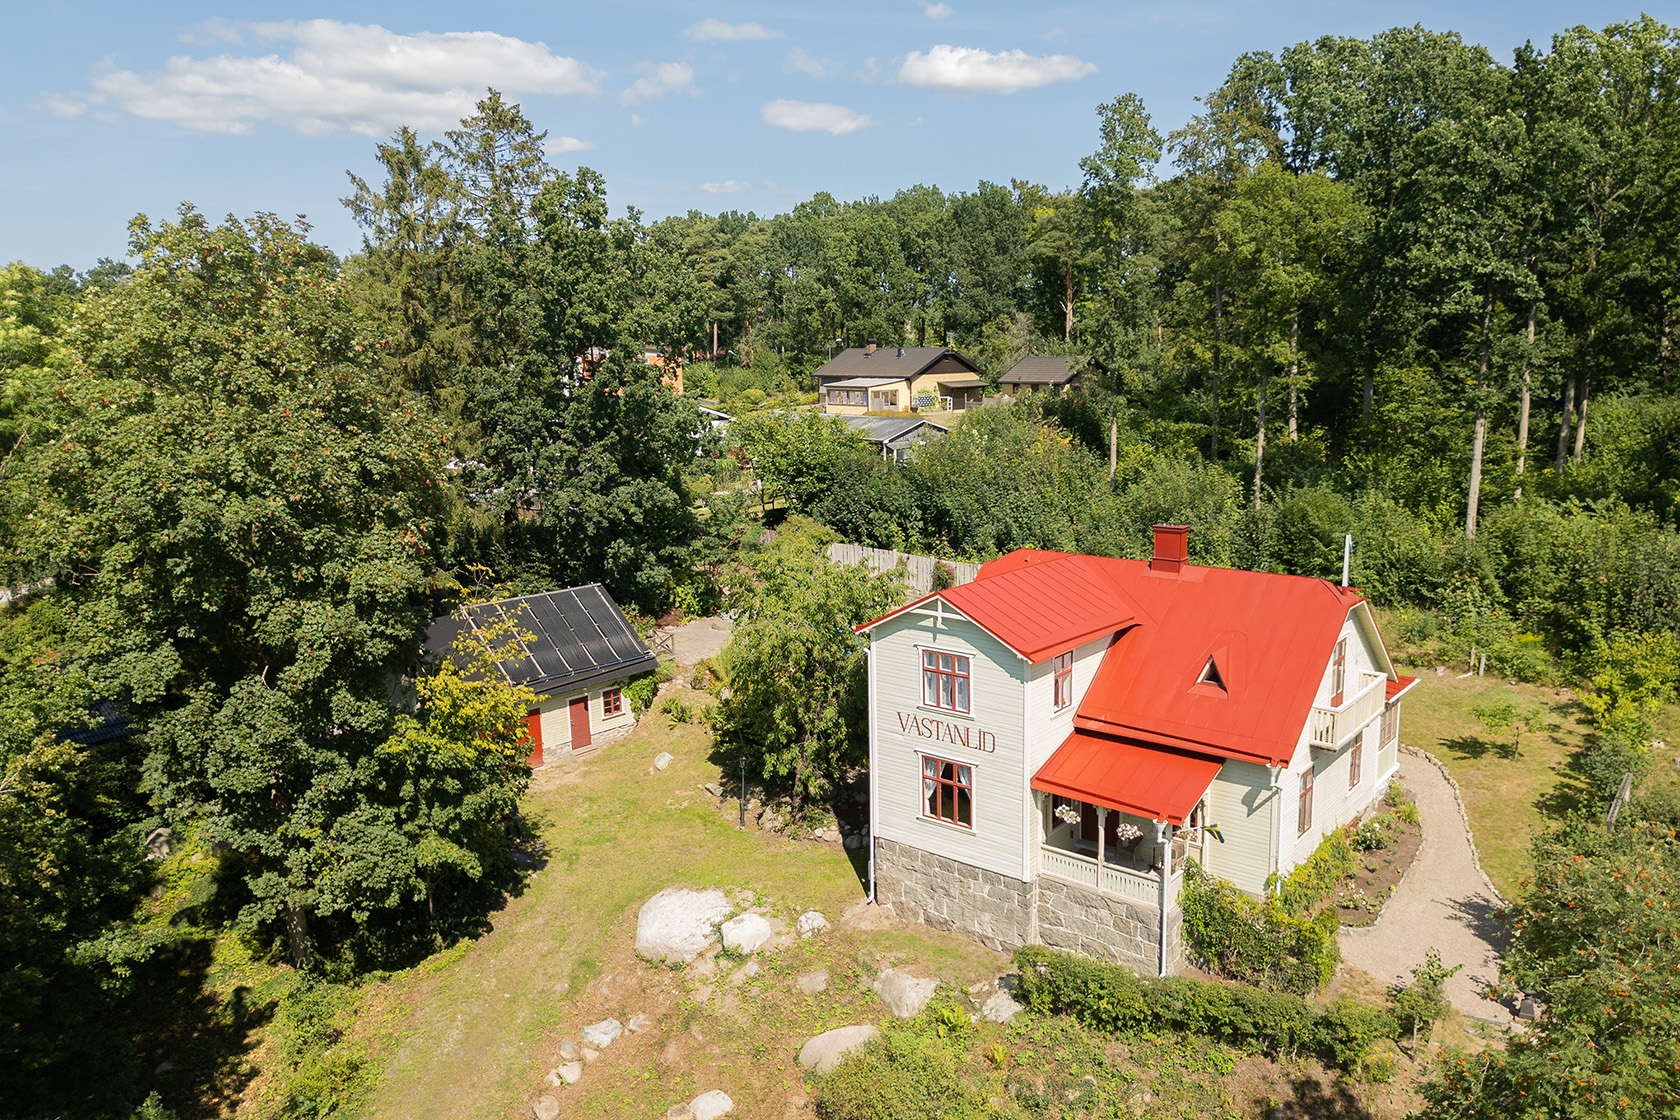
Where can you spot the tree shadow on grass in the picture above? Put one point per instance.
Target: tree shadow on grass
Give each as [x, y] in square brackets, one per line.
[1474, 747]
[1313, 1100]
[1482, 918]
[1573, 791]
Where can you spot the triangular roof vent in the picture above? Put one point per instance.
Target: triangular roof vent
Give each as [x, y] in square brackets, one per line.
[1210, 675]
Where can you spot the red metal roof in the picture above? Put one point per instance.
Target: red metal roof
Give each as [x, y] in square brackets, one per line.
[1040, 609]
[1162, 785]
[1269, 635]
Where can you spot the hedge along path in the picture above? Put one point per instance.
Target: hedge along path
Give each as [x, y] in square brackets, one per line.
[1444, 902]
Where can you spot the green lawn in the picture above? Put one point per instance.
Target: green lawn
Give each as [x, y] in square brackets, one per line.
[1508, 799]
[474, 1035]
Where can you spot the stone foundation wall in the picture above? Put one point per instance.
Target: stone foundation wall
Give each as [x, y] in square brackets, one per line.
[948, 895]
[1107, 928]
[1004, 913]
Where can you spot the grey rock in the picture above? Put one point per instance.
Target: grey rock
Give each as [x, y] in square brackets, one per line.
[714, 789]
[675, 925]
[746, 933]
[159, 843]
[811, 922]
[824, 1052]
[569, 1051]
[546, 1108]
[638, 1024]
[603, 1034]
[679, 1112]
[854, 842]
[570, 1072]
[1001, 1008]
[663, 759]
[811, 983]
[904, 995]
[590, 1055]
[711, 1104]
[819, 834]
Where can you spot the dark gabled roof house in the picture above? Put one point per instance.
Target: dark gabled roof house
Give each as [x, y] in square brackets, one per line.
[1052, 372]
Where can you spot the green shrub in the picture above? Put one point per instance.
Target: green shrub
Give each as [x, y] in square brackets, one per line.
[317, 1070]
[1109, 998]
[680, 710]
[906, 1074]
[1371, 836]
[1317, 876]
[1405, 809]
[1257, 942]
[641, 690]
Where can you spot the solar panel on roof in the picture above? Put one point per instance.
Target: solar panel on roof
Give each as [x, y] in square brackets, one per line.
[620, 639]
[556, 635]
[584, 630]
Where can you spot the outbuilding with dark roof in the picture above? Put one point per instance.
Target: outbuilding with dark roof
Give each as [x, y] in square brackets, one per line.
[572, 647]
[1049, 373]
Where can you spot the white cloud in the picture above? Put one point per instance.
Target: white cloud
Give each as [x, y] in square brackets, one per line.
[772, 185]
[870, 68]
[338, 77]
[728, 186]
[59, 105]
[661, 80]
[801, 62]
[814, 116]
[637, 121]
[936, 11]
[717, 29]
[560, 145]
[971, 70]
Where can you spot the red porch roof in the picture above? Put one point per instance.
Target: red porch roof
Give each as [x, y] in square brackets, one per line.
[1131, 777]
[1398, 687]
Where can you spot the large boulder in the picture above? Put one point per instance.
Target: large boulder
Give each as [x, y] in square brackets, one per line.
[814, 982]
[676, 924]
[824, 1052]
[1001, 1008]
[546, 1108]
[904, 995]
[711, 1104]
[811, 923]
[746, 934]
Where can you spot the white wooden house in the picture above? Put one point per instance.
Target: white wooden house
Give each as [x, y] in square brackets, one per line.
[1052, 742]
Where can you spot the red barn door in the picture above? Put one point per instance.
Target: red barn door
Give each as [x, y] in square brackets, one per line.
[578, 709]
[533, 726]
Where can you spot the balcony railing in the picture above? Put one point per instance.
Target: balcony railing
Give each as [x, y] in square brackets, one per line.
[1329, 728]
[1138, 886]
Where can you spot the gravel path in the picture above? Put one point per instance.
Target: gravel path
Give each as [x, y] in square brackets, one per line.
[1444, 902]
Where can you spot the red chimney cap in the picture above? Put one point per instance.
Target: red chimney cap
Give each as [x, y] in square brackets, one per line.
[1172, 548]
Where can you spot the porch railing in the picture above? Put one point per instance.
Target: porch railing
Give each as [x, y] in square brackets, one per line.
[1138, 886]
[1329, 728]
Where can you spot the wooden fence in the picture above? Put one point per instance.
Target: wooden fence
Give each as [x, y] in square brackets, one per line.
[918, 570]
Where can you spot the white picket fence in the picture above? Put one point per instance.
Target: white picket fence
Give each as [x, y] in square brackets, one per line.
[918, 570]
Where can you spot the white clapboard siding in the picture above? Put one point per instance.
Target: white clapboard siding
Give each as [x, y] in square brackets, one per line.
[996, 841]
[1242, 803]
[1048, 728]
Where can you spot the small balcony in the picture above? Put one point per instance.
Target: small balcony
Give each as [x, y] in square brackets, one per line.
[1329, 728]
[1107, 878]
[1130, 860]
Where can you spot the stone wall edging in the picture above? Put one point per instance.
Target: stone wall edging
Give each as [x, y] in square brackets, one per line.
[1464, 815]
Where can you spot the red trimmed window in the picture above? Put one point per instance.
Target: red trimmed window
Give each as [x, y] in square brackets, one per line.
[1064, 681]
[1391, 723]
[945, 680]
[1303, 815]
[1356, 760]
[1338, 673]
[948, 790]
[612, 702]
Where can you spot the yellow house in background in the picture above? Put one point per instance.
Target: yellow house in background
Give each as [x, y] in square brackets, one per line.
[873, 378]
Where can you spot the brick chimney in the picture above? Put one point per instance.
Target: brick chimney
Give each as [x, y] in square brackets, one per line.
[869, 347]
[1172, 549]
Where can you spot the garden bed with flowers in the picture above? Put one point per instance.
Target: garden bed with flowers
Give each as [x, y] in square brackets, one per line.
[1382, 849]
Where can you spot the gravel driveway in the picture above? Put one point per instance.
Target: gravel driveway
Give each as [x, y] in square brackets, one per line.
[1444, 902]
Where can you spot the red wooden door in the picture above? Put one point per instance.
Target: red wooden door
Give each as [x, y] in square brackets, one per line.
[533, 726]
[578, 709]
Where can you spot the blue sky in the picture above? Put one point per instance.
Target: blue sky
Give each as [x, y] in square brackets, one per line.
[112, 109]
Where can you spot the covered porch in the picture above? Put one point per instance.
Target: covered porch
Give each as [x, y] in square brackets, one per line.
[1122, 818]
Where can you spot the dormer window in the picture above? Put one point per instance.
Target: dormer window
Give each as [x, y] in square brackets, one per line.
[1210, 675]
